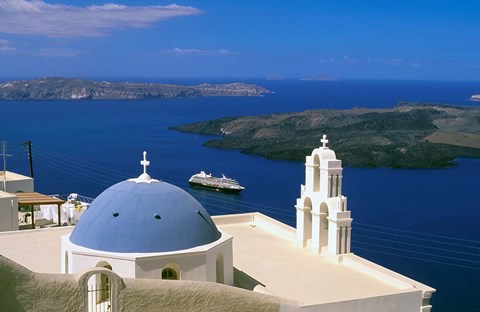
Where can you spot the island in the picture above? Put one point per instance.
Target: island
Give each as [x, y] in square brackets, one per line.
[475, 98]
[409, 135]
[321, 77]
[53, 88]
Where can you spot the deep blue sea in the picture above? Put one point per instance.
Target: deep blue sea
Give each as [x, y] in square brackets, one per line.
[421, 223]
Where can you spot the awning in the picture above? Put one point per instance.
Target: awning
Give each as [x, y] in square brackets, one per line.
[33, 198]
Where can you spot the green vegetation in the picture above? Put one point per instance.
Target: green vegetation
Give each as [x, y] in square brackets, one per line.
[410, 135]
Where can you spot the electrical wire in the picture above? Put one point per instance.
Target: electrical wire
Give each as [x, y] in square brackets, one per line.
[418, 233]
[242, 204]
[69, 166]
[416, 258]
[79, 162]
[107, 181]
[79, 174]
[418, 252]
[416, 245]
[219, 204]
[86, 165]
[418, 238]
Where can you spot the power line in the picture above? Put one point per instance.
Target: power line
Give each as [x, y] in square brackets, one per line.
[79, 162]
[242, 204]
[419, 233]
[79, 165]
[418, 238]
[418, 252]
[415, 258]
[416, 245]
[81, 175]
[104, 177]
[75, 168]
[123, 175]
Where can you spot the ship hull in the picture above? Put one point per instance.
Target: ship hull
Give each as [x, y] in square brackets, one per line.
[214, 188]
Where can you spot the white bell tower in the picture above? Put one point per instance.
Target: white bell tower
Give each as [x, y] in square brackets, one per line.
[323, 221]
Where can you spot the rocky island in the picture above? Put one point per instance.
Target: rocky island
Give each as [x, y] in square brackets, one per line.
[475, 98]
[75, 89]
[410, 135]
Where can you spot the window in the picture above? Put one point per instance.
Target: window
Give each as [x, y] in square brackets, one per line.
[169, 274]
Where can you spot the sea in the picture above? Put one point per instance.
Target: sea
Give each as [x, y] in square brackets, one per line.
[422, 223]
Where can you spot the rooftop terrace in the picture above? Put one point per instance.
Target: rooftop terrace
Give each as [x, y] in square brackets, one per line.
[264, 248]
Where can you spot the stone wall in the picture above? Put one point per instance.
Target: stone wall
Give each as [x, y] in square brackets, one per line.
[23, 290]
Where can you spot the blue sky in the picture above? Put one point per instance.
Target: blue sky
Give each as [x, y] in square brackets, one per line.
[355, 39]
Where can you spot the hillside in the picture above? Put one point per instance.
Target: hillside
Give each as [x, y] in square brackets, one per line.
[75, 89]
[410, 135]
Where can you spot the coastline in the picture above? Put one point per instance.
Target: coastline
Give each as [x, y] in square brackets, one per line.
[409, 135]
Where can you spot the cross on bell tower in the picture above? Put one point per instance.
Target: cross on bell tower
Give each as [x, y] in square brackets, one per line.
[324, 141]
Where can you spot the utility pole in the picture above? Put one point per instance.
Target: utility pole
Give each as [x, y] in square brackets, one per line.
[4, 154]
[30, 157]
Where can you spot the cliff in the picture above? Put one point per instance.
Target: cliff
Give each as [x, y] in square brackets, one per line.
[410, 135]
[75, 89]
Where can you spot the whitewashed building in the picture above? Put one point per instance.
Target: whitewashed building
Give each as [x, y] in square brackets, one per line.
[10, 183]
[142, 231]
[147, 228]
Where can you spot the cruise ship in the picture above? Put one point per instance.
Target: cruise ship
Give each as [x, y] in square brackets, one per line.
[207, 181]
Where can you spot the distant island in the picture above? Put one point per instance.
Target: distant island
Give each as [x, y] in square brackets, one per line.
[321, 77]
[52, 88]
[410, 135]
[274, 78]
[475, 98]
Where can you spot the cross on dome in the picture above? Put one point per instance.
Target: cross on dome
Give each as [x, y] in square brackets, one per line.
[144, 177]
[145, 163]
[324, 141]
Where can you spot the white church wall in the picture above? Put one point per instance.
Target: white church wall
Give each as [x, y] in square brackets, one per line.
[328, 180]
[220, 263]
[304, 224]
[16, 183]
[196, 264]
[233, 218]
[123, 267]
[75, 259]
[65, 259]
[273, 226]
[191, 266]
[24, 186]
[409, 301]
[228, 265]
[311, 172]
[403, 283]
[202, 266]
[382, 273]
[8, 212]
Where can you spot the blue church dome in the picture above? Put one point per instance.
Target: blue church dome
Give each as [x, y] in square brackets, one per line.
[144, 215]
